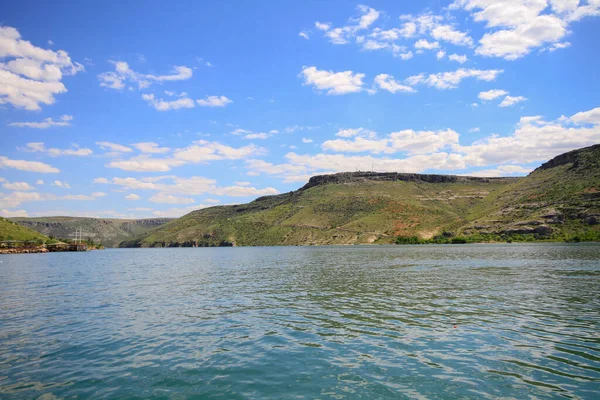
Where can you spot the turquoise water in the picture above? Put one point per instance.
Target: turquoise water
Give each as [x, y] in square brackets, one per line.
[427, 322]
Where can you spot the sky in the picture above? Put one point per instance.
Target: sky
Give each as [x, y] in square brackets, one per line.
[145, 109]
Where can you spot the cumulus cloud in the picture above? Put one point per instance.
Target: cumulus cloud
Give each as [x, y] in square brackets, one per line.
[387, 82]
[40, 147]
[409, 141]
[119, 148]
[31, 76]
[170, 199]
[123, 74]
[491, 94]
[333, 83]
[30, 166]
[461, 59]
[519, 26]
[214, 101]
[448, 33]
[450, 80]
[343, 35]
[64, 120]
[171, 189]
[61, 184]
[150, 147]
[534, 140]
[425, 44]
[511, 101]
[200, 151]
[165, 105]
[23, 186]
[587, 117]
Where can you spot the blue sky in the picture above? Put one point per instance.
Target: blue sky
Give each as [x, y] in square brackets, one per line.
[147, 109]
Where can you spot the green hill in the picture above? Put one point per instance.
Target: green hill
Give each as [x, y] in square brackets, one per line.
[107, 231]
[12, 231]
[558, 201]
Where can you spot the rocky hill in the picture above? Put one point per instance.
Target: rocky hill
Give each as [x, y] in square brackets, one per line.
[558, 201]
[107, 231]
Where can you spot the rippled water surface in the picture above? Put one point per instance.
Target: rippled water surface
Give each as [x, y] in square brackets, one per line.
[464, 321]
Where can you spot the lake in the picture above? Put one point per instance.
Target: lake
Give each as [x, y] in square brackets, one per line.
[421, 322]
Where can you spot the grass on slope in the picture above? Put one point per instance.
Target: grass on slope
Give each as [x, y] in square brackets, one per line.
[330, 214]
[12, 231]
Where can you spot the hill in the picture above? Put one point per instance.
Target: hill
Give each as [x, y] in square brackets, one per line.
[107, 231]
[12, 231]
[558, 201]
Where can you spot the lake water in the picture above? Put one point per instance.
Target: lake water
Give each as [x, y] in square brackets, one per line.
[426, 322]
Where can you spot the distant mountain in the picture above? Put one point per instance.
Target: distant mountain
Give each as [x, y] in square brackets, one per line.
[560, 200]
[12, 231]
[107, 231]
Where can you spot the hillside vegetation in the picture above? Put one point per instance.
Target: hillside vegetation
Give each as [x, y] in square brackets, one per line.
[558, 201]
[12, 231]
[106, 231]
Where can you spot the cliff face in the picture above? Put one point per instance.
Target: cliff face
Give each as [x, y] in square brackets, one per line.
[363, 177]
[109, 232]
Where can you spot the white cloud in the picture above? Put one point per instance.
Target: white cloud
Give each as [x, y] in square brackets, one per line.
[31, 76]
[449, 34]
[61, 184]
[522, 26]
[342, 35]
[450, 80]
[304, 35]
[587, 117]
[424, 44]
[492, 94]
[13, 213]
[146, 164]
[165, 105]
[306, 140]
[39, 147]
[192, 186]
[557, 46]
[334, 83]
[322, 26]
[101, 180]
[98, 194]
[260, 135]
[114, 147]
[46, 123]
[132, 197]
[123, 73]
[534, 140]
[15, 199]
[17, 186]
[31, 166]
[512, 100]
[39, 182]
[440, 54]
[503, 170]
[150, 147]
[461, 59]
[387, 82]
[202, 151]
[362, 132]
[214, 101]
[473, 130]
[412, 142]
